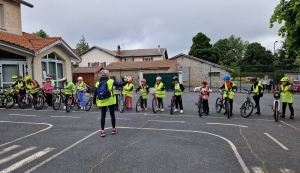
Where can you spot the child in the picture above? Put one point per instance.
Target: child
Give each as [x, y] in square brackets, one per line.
[228, 85]
[160, 93]
[48, 89]
[257, 88]
[204, 92]
[128, 92]
[179, 88]
[286, 94]
[144, 92]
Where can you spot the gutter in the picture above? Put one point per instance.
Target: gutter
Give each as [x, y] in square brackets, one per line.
[12, 46]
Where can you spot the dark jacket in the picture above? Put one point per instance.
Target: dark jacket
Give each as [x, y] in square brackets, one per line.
[103, 79]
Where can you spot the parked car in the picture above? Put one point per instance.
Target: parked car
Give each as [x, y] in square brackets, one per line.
[296, 85]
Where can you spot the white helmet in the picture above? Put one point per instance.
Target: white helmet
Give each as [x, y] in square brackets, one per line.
[158, 78]
[63, 79]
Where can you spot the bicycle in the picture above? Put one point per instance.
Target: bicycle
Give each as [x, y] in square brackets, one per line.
[90, 101]
[247, 105]
[173, 102]
[39, 101]
[223, 103]
[154, 103]
[6, 98]
[201, 109]
[71, 103]
[121, 102]
[276, 105]
[25, 100]
[58, 99]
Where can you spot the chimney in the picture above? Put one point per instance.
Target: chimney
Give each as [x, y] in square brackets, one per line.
[119, 50]
[158, 48]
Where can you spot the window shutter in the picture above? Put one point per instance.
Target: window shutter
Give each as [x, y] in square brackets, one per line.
[89, 64]
[104, 64]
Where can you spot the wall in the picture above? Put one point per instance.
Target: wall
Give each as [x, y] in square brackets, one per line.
[197, 71]
[158, 58]
[12, 17]
[96, 55]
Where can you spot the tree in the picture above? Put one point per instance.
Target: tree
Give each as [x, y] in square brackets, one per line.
[256, 54]
[201, 48]
[82, 46]
[231, 49]
[289, 12]
[282, 58]
[41, 33]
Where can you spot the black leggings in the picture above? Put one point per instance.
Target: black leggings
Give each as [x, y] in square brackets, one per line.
[256, 98]
[205, 105]
[160, 102]
[49, 99]
[143, 101]
[230, 104]
[112, 115]
[178, 99]
[290, 106]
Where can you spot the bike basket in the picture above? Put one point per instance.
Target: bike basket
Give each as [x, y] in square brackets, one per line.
[277, 95]
[152, 90]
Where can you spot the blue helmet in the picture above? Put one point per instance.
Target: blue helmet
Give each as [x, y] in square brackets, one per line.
[253, 79]
[226, 77]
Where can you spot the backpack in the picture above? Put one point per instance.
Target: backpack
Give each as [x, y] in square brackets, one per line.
[102, 91]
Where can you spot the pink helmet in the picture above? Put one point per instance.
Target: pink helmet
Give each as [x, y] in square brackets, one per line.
[80, 78]
[143, 80]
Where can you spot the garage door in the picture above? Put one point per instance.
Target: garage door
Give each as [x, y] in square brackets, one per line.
[166, 79]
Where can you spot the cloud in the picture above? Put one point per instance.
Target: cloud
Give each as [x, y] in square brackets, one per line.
[147, 24]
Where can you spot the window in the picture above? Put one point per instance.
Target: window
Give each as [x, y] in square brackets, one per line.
[102, 64]
[92, 64]
[1, 16]
[212, 74]
[148, 59]
[129, 59]
[53, 65]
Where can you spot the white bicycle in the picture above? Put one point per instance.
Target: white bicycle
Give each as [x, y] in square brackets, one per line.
[276, 105]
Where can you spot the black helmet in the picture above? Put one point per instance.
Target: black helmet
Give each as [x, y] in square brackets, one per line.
[253, 79]
[49, 75]
[20, 76]
[175, 78]
[112, 76]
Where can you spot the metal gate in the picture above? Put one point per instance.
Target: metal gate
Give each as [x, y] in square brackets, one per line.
[166, 79]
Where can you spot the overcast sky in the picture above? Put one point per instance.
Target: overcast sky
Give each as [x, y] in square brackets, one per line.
[140, 24]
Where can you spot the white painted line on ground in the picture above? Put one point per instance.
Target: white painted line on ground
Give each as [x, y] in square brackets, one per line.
[290, 125]
[23, 115]
[26, 160]
[233, 147]
[49, 126]
[16, 155]
[62, 151]
[64, 117]
[167, 121]
[228, 124]
[9, 149]
[286, 171]
[280, 144]
[257, 170]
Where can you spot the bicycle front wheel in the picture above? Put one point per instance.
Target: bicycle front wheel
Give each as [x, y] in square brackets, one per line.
[138, 105]
[246, 109]
[200, 107]
[218, 105]
[57, 103]
[38, 102]
[88, 104]
[276, 112]
[121, 105]
[8, 101]
[154, 105]
[23, 102]
[172, 106]
[227, 107]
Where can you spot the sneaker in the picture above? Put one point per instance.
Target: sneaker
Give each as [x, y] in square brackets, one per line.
[141, 109]
[158, 109]
[64, 107]
[146, 109]
[114, 131]
[162, 110]
[102, 133]
[175, 110]
[32, 106]
[81, 108]
[225, 113]
[282, 116]
[291, 117]
[181, 111]
[49, 107]
[257, 113]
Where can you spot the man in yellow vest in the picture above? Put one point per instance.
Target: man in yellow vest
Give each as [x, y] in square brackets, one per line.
[144, 89]
[257, 88]
[80, 89]
[178, 88]
[69, 89]
[160, 93]
[228, 85]
[287, 97]
[106, 102]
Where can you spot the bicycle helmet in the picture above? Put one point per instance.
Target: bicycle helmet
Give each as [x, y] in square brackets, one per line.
[143, 80]
[14, 77]
[63, 79]
[80, 78]
[158, 78]
[49, 75]
[253, 79]
[20, 76]
[204, 82]
[226, 77]
[285, 79]
[175, 78]
[26, 78]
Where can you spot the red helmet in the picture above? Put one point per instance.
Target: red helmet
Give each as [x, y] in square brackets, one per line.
[204, 82]
[143, 80]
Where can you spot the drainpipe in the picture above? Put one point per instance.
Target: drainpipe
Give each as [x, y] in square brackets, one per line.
[32, 67]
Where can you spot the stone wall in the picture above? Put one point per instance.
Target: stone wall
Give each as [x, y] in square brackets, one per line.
[197, 71]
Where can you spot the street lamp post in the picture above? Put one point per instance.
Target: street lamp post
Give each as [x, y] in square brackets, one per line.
[274, 66]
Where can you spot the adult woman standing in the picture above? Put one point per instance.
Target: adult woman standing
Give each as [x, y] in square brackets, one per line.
[107, 102]
[80, 89]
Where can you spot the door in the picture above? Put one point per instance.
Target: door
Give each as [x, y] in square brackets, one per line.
[10, 68]
[166, 79]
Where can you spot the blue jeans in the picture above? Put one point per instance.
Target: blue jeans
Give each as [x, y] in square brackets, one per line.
[81, 97]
